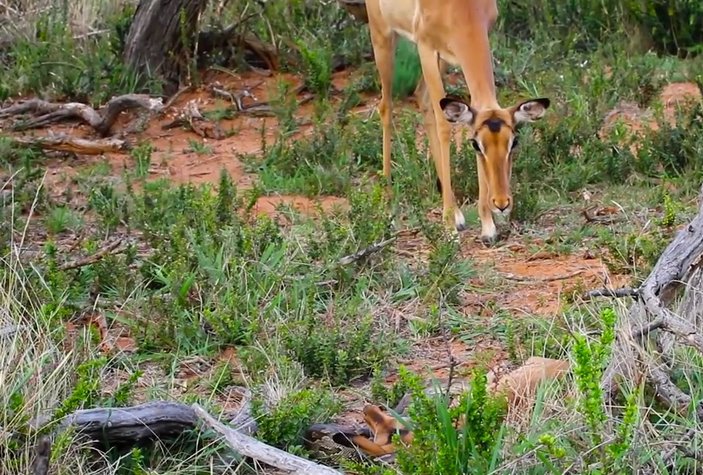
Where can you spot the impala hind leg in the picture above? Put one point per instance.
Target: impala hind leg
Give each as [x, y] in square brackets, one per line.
[383, 50]
[438, 131]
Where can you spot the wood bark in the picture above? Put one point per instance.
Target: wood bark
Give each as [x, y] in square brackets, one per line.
[45, 113]
[250, 447]
[152, 420]
[647, 337]
[161, 39]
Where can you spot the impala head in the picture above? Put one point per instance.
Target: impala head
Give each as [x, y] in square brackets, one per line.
[494, 137]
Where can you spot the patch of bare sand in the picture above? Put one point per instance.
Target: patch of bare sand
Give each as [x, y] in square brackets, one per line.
[638, 121]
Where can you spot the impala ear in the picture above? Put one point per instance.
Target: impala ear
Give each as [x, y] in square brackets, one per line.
[456, 110]
[530, 110]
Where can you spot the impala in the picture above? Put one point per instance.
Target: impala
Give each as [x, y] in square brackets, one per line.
[453, 32]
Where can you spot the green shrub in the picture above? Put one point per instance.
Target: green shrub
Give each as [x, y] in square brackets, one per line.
[440, 447]
[284, 424]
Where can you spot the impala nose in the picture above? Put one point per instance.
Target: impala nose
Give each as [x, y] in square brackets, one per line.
[501, 204]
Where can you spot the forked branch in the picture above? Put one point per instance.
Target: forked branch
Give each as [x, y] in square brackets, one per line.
[651, 315]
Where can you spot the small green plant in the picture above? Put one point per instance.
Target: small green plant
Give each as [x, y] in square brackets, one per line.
[317, 65]
[201, 148]
[283, 425]
[465, 439]
[407, 70]
[141, 155]
[391, 396]
[86, 389]
[62, 219]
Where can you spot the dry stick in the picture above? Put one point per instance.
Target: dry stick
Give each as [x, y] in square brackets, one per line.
[110, 249]
[373, 248]
[65, 143]
[521, 278]
[614, 293]
[250, 447]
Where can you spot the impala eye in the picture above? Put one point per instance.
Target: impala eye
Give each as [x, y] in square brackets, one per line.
[475, 145]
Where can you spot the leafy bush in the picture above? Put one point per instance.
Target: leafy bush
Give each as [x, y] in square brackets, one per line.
[464, 439]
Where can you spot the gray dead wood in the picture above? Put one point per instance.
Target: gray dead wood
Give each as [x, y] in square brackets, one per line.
[364, 253]
[152, 420]
[46, 113]
[132, 425]
[257, 450]
[65, 143]
[613, 293]
[659, 320]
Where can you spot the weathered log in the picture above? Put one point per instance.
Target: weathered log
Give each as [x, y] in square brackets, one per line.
[102, 120]
[651, 322]
[132, 425]
[65, 143]
[144, 422]
[155, 45]
[250, 447]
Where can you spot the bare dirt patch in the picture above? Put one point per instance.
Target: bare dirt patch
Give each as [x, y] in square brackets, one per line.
[637, 121]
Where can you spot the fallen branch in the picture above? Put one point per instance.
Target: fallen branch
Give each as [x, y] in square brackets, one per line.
[64, 143]
[102, 120]
[373, 248]
[250, 447]
[130, 426]
[520, 278]
[110, 249]
[614, 293]
[650, 317]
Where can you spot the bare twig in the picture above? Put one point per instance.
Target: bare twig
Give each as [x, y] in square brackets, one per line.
[614, 293]
[250, 447]
[520, 278]
[373, 248]
[111, 248]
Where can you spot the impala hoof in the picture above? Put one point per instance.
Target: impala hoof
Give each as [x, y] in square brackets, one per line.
[489, 241]
[459, 221]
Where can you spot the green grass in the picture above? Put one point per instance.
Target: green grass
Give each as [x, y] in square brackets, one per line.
[199, 275]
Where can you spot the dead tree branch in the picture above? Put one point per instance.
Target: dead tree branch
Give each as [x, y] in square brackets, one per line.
[101, 121]
[613, 293]
[65, 143]
[250, 447]
[40, 464]
[363, 253]
[651, 316]
[110, 249]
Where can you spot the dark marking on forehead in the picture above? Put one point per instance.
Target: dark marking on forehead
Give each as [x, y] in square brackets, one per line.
[494, 124]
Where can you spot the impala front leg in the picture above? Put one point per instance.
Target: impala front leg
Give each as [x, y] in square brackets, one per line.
[489, 233]
[451, 213]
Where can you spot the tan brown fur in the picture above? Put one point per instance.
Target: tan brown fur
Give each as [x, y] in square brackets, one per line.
[456, 32]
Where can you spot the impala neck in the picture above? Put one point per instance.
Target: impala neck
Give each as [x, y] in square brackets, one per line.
[474, 55]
